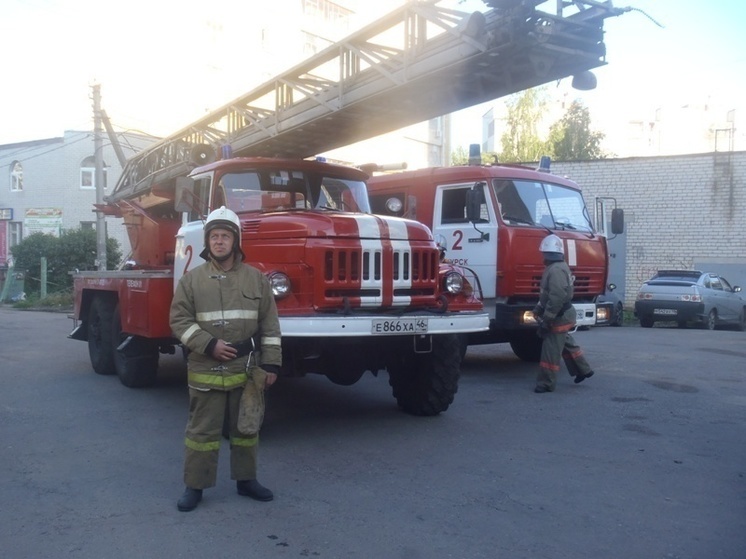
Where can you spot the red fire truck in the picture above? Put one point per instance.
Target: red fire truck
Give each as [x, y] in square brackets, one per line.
[355, 292]
[491, 219]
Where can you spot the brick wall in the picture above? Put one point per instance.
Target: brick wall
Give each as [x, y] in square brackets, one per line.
[680, 211]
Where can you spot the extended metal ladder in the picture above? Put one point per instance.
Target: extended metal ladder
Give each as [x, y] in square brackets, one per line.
[418, 62]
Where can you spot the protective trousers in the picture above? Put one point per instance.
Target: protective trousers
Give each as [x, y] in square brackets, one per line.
[554, 346]
[207, 412]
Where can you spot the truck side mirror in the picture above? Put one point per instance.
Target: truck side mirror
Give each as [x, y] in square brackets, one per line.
[617, 221]
[474, 201]
[184, 194]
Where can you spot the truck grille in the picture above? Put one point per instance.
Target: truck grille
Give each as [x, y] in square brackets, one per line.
[360, 273]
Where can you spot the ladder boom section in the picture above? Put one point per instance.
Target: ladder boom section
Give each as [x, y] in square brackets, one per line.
[419, 62]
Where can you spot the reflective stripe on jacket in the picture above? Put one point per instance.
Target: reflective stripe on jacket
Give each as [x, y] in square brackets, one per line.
[233, 306]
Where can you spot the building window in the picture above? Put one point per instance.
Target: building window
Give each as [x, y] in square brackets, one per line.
[88, 174]
[88, 225]
[16, 233]
[16, 176]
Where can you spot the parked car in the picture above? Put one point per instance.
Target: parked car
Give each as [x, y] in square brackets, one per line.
[609, 308]
[687, 296]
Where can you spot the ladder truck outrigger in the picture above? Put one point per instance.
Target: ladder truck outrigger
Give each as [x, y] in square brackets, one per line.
[355, 292]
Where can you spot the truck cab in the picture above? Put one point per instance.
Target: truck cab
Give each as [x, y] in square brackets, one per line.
[491, 220]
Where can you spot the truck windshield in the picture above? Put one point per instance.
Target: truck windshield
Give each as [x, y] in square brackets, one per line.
[541, 204]
[290, 190]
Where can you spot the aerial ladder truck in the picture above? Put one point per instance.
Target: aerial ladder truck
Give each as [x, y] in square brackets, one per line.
[355, 292]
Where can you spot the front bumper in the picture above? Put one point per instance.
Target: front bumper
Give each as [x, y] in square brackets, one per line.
[369, 325]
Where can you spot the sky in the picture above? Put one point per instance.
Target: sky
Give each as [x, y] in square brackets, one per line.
[153, 59]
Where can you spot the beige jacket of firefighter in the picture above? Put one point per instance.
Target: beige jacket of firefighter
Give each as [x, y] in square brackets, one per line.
[233, 306]
[556, 293]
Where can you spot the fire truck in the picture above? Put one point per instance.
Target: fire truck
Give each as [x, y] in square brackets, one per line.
[355, 292]
[491, 219]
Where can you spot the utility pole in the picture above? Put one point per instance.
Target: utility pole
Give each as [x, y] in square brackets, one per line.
[98, 144]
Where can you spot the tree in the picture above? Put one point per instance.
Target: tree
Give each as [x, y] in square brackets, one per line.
[571, 137]
[521, 142]
[74, 249]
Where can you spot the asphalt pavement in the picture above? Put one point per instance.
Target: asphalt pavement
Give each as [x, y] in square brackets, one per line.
[645, 460]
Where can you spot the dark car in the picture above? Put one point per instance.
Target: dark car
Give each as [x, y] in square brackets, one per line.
[690, 296]
[609, 308]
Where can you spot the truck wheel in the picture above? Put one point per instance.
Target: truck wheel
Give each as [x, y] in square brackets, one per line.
[527, 346]
[425, 383]
[137, 363]
[646, 322]
[100, 335]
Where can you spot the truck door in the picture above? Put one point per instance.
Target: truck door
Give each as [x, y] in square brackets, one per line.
[472, 245]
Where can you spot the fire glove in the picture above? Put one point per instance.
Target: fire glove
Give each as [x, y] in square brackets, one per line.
[251, 406]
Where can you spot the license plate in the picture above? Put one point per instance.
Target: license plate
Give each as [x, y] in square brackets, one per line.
[664, 311]
[399, 326]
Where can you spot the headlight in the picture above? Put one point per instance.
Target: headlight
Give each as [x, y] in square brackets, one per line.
[454, 283]
[280, 284]
[394, 205]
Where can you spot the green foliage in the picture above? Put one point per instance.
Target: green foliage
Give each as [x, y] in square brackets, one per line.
[521, 141]
[53, 301]
[571, 137]
[74, 249]
[460, 156]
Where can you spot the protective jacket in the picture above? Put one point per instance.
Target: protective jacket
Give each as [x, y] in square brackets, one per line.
[556, 295]
[235, 306]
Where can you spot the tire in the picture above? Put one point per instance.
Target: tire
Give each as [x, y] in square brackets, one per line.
[742, 320]
[101, 344]
[136, 364]
[424, 384]
[710, 321]
[618, 318]
[527, 346]
[646, 322]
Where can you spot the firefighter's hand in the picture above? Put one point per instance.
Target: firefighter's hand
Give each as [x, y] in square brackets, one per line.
[271, 379]
[272, 372]
[543, 328]
[223, 351]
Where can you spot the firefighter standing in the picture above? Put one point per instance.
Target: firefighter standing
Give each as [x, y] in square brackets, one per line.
[555, 316]
[218, 310]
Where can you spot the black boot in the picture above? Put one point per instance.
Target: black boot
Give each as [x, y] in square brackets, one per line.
[581, 378]
[252, 488]
[189, 500]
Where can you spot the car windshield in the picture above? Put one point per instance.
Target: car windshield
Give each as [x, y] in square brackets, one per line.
[288, 190]
[542, 204]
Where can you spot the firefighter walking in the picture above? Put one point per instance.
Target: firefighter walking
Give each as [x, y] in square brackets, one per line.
[555, 316]
[219, 309]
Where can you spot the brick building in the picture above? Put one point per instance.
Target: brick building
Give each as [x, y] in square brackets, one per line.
[681, 211]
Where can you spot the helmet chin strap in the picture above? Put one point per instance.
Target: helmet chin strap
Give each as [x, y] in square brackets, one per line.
[221, 258]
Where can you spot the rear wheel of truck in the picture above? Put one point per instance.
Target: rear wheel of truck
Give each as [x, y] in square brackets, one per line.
[101, 343]
[137, 363]
[527, 346]
[425, 383]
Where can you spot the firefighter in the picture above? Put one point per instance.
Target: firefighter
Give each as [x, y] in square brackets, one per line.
[555, 316]
[223, 310]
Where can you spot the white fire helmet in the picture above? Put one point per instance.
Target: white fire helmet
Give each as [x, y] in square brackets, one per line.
[552, 248]
[223, 218]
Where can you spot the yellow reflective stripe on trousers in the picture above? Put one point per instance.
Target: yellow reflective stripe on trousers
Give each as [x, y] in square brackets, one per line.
[245, 441]
[202, 447]
[218, 381]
